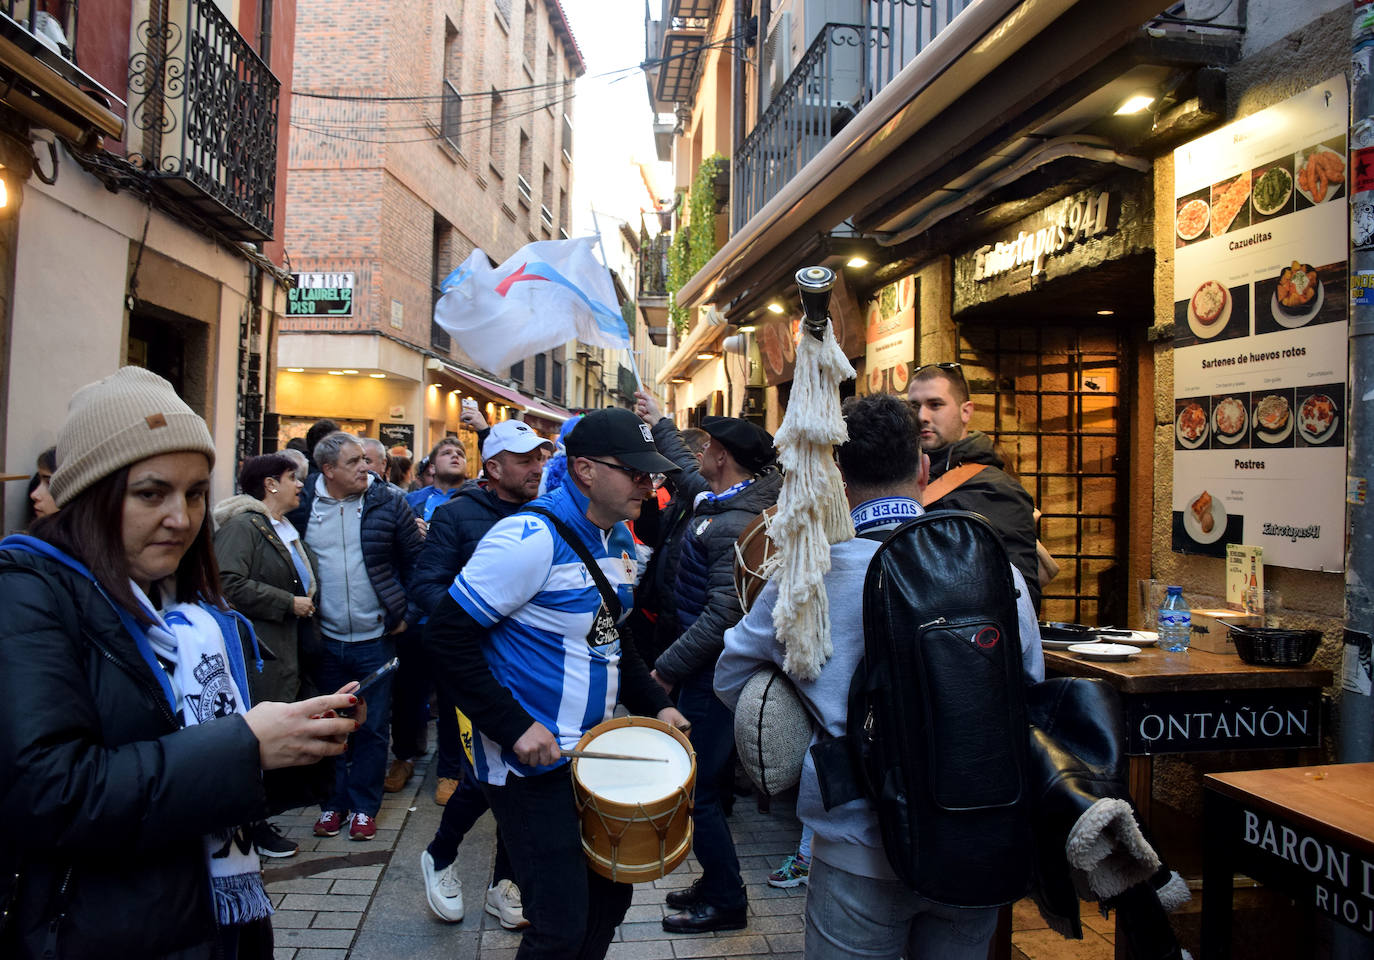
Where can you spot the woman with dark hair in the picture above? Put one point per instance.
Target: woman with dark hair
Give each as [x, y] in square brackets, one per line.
[130, 753]
[40, 497]
[269, 576]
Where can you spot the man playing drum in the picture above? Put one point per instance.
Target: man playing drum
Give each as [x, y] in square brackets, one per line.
[525, 644]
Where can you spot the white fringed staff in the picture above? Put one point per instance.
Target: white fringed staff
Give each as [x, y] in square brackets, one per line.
[812, 511]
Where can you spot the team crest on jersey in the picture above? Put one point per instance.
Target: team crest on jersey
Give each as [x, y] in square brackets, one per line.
[648, 436]
[629, 563]
[216, 697]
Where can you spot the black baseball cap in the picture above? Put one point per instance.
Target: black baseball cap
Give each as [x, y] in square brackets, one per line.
[750, 444]
[616, 432]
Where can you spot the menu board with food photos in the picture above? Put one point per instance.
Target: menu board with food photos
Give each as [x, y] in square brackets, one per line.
[1260, 299]
[890, 336]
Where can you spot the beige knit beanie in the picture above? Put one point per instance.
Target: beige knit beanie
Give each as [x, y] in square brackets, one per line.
[131, 415]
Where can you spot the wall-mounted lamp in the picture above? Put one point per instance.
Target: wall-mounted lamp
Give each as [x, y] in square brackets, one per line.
[377, 376]
[748, 328]
[775, 307]
[1136, 104]
[706, 356]
[295, 369]
[1105, 313]
[856, 262]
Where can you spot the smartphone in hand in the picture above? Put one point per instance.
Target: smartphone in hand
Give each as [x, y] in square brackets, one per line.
[369, 681]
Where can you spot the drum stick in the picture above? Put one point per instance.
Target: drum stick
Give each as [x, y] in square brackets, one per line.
[592, 755]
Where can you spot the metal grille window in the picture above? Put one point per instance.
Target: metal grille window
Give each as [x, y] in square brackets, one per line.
[1051, 399]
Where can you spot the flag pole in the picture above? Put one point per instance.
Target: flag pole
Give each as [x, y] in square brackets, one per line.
[601, 244]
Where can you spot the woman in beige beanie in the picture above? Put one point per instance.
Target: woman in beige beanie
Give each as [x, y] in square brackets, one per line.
[130, 751]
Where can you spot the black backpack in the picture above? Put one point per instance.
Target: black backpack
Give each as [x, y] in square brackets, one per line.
[937, 734]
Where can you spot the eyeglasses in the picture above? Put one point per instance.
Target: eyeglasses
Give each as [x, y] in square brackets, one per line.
[636, 476]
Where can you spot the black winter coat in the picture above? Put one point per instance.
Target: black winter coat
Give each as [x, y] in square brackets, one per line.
[391, 546]
[104, 789]
[704, 594]
[994, 495]
[455, 529]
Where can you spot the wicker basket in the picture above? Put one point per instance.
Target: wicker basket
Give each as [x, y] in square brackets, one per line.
[1275, 647]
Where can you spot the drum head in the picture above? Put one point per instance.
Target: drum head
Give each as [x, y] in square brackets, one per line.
[634, 781]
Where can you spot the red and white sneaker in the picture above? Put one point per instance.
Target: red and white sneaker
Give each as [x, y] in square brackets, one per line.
[361, 827]
[329, 823]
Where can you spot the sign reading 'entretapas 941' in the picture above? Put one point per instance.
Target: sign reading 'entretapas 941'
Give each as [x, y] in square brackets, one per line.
[1060, 226]
[321, 295]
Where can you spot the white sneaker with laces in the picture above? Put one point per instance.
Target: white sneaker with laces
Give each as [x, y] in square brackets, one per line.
[443, 889]
[503, 903]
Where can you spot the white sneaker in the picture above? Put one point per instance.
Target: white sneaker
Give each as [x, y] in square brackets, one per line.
[443, 889]
[503, 903]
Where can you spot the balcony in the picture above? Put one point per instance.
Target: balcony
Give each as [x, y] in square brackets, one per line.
[40, 79]
[653, 284]
[206, 106]
[843, 68]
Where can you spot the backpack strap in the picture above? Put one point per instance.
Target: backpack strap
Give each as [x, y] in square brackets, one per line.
[950, 480]
[603, 585]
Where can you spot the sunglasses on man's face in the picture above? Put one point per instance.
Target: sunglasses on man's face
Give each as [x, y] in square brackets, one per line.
[636, 476]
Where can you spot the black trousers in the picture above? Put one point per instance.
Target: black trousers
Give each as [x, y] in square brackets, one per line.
[410, 698]
[572, 911]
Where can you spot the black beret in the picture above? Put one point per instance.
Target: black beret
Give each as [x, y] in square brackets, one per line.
[748, 443]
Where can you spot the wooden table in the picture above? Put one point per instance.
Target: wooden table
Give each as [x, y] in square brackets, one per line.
[1308, 831]
[1196, 701]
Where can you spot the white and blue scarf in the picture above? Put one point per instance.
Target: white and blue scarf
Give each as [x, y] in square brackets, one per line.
[191, 647]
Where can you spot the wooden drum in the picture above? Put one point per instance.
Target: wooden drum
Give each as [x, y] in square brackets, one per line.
[636, 815]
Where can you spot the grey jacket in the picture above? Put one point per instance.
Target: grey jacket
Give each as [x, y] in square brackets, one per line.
[349, 607]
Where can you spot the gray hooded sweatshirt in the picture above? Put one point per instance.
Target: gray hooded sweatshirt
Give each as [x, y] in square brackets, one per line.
[348, 606]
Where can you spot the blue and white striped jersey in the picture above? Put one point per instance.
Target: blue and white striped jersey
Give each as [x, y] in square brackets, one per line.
[528, 587]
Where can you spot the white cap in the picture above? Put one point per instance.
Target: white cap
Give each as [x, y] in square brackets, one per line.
[513, 435]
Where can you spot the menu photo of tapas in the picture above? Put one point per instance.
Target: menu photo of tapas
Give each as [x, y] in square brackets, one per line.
[1192, 422]
[894, 379]
[1192, 217]
[1213, 311]
[1272, 418]
[1271, 192]
[1321, 173]
[1204, 525]
[1230, 204]
[1317, 415]
[1300, 294]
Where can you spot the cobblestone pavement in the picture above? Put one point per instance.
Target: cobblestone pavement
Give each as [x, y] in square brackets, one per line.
[339, 898]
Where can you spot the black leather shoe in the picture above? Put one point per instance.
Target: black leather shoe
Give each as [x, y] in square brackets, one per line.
[686, 897]
[703, 918]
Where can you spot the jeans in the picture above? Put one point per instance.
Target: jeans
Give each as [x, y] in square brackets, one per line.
[849, 917]
[713, 737]
[573, 912]
[463, 809]
[359, 773]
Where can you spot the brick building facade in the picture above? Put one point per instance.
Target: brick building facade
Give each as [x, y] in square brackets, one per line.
[437, 126]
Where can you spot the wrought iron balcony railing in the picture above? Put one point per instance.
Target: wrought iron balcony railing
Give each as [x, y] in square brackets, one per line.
[653, 265]
[842, 70]
[206, 106]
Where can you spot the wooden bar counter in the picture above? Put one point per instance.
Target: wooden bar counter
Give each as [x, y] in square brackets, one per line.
[1195, 701]
[1307, 831]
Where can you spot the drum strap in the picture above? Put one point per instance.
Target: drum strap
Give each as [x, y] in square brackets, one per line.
[610, 602]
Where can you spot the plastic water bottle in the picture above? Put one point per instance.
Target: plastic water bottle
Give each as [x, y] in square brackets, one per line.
[1175, 622]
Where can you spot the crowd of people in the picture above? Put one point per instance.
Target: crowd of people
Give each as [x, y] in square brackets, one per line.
[189, 671]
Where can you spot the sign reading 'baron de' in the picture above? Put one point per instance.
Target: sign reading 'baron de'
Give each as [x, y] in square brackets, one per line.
[1064, 224]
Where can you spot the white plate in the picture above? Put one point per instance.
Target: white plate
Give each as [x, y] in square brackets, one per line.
[1292, 323]
[1333, 190]
[1205, 221]
[1194, 529]
[1208, 331]
[1105, 652]
[1058, 644]
[1286, 197]
[1184, 441]
[1224, 438]
[1270, 436]
[1322, 437]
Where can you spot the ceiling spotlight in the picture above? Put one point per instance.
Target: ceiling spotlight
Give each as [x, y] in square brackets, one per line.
[678, 380]
[856, 262]
[706, 356]
[295, 369]
[1105, 313]
[350, 371]
[336, 373]
[1135, 104]
[748, 328]
[775, 307]
[377, 376]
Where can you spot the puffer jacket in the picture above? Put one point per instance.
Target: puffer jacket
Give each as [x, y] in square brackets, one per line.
[455, 529]
[260, 581]
[391, 547]
[995, 495]
[704, 595]
[109, 797]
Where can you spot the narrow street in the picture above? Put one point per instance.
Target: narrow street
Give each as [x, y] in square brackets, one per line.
[339, 899]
